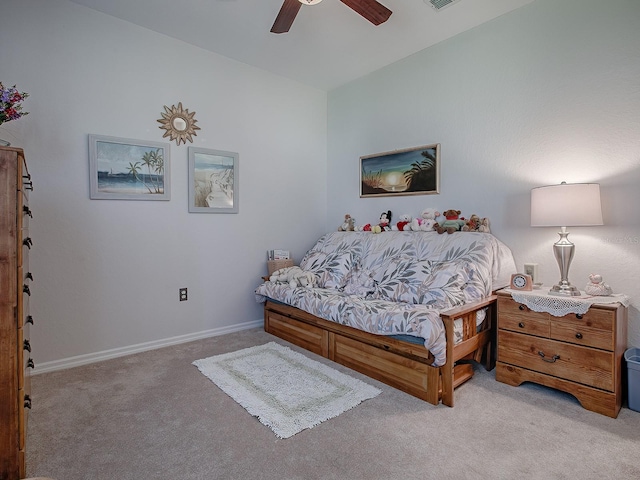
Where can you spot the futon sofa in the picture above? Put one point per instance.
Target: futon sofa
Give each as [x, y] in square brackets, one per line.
[406, 308]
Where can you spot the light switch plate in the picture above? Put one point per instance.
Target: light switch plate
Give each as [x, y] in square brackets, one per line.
[532, 269]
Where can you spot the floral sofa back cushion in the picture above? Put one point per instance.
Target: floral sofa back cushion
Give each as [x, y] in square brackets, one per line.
[411, 267]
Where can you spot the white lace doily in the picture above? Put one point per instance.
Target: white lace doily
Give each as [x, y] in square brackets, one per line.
[560, 306]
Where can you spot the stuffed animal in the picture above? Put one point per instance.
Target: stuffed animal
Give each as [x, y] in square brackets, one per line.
[294, 276]
[484, 226]
[404, 223]
[385, 221]
[426, 220]
[348, 225]
[472, 224]
[453, 222]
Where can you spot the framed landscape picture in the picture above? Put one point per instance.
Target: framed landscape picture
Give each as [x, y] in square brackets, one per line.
[213, 181]
[126, 169]
[413, 171]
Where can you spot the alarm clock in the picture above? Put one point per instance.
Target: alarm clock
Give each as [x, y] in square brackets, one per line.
[521, 281]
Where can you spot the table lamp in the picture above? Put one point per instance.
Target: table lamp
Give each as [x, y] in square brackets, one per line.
[565, 205]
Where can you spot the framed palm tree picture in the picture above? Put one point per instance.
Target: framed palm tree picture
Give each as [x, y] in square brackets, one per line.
[126, 169]
[412, 171]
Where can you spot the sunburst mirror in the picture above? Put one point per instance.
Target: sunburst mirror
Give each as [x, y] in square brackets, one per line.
[178, 123]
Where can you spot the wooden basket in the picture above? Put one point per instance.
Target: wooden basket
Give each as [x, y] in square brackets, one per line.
[273, 265]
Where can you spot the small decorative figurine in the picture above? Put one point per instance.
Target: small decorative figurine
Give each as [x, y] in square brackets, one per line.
[597, 287]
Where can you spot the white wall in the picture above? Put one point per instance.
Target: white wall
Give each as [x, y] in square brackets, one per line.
[546, 93]
[107, 273]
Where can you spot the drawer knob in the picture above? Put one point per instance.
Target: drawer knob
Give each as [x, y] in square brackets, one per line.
[548, 360]
[29, 276]
[30, 363]
[579, 316]
[25, 289]
[579, 336]
[27, 211]
[27, 401]
[29, 319]
[27, 242]
[26, 346]
[521, 324]
[521, 307]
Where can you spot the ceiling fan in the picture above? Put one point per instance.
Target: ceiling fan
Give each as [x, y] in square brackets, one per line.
[373, 11]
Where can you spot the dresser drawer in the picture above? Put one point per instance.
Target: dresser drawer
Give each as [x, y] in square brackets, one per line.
[571, 362]
[508, 307]
[531, 326]
[581, 334]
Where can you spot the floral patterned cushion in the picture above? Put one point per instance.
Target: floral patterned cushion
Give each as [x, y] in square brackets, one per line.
[331, 268]
[437, 284]
[360, 282]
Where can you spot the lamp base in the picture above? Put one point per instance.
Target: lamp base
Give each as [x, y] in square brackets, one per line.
[565, 291]
[563, 250]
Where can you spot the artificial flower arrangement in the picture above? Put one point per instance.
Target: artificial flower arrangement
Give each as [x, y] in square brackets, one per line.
[10, 104]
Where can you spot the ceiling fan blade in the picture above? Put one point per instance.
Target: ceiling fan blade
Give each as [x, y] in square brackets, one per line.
[373, 11]
[286, 16]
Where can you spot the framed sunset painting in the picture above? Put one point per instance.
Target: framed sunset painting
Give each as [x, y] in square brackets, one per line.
[412, 171]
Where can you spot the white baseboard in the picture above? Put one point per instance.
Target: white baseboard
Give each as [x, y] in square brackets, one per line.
[79, 360]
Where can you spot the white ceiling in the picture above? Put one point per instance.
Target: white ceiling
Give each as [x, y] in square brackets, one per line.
[328, 45]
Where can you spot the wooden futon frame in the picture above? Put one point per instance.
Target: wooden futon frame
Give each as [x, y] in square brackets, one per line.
[403, 365]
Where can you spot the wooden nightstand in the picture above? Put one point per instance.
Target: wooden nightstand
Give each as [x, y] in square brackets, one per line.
[578, 354]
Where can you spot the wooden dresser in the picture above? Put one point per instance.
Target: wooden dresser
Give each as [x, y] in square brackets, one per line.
[578, 354]
[15, 278]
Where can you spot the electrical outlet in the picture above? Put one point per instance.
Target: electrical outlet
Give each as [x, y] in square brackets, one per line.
[183, 294]
[531, 269]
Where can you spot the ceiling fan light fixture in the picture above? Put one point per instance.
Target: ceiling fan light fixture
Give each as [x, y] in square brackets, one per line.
[309, 2]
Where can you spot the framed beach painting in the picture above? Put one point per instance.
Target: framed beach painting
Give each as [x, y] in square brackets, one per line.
[213, 181]
[126, 169]
[413, 171]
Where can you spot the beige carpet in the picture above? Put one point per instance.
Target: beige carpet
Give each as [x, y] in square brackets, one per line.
[155, 416]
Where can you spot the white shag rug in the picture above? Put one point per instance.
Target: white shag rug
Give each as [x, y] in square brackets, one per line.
[287, 391]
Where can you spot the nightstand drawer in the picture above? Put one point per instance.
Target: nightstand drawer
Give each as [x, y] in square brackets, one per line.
[571, 362]
[530, 326]
[512, 309]
[580, 334]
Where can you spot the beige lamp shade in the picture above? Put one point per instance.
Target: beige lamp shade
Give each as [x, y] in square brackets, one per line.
[566, 205]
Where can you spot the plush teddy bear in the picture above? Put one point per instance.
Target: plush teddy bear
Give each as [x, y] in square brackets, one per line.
[404, 223]
[484, 226]
[385, 221]
[348, 225]
[472, 224]
[294, 276]
[426, 220]
[453, 222]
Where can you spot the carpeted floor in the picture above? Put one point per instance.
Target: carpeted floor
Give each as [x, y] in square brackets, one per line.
[155, 416]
